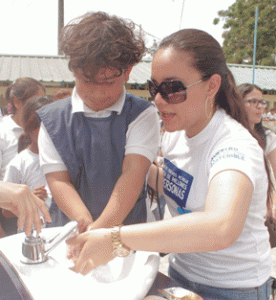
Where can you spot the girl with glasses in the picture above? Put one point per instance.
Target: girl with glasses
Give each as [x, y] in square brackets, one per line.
[255, 104]
[213, 178]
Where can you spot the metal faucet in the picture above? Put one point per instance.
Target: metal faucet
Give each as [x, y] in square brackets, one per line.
[35, 249]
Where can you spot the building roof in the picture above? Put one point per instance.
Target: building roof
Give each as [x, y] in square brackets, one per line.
[265, 77]
[55, 69]
[41, 68]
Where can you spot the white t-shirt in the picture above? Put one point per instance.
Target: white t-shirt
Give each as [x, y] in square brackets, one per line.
[142, 136]
[270, 141]
[189, 166]
[24, 168]
[9, 134]
[270, 116]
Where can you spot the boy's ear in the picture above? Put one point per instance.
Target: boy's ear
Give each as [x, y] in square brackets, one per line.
[127, 73]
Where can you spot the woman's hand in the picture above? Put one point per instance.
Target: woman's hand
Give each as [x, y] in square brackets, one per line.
[19, 199]
[41, 192]
[96, 249]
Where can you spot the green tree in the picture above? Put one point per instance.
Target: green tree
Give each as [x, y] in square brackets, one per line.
[239, 31]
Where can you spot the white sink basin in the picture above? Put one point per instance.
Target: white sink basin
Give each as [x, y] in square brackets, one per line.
[127, 278]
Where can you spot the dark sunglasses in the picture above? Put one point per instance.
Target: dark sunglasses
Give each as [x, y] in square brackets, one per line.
[173, 91]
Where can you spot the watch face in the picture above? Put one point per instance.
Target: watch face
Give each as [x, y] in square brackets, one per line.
[121, 252]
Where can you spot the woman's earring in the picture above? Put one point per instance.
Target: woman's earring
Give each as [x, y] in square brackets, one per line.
[208, 115]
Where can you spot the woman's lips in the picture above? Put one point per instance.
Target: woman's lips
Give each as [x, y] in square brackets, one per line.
[167, 116]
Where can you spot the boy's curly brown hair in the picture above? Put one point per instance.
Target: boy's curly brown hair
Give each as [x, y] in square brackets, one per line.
[97, 40]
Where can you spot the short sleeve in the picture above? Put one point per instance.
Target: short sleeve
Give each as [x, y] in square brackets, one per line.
[241, 155]
[50, 160]
[12, 173]
[143, 134]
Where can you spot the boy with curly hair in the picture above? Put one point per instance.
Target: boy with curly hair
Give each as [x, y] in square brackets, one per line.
[96, 147]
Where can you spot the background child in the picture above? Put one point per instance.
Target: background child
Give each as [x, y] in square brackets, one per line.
[24, 168]
[17, 95]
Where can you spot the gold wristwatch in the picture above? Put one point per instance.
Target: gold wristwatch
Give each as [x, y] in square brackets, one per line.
[119, 249]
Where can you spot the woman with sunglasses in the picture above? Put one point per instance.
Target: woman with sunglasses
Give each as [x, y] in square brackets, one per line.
[255, 105]
[214, 180]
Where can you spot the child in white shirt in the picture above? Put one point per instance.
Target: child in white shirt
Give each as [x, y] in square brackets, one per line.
[24, 168]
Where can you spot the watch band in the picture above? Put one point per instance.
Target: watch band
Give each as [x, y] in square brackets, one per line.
[119, 249]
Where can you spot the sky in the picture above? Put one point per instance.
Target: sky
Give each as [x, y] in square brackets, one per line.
[30, 27]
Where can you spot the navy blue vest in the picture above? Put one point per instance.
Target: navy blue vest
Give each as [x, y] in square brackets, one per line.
[93, 150]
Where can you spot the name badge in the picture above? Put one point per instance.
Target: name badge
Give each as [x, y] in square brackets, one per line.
[177, 184]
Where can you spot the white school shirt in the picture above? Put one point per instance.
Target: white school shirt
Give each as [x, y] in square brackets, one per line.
[189, 166]
[9, 134]
[24, 168]
[142, 137]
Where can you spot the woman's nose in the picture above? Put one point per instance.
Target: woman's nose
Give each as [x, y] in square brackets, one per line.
[159, 100]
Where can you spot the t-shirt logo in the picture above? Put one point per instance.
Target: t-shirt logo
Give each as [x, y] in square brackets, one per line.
[176, 183]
